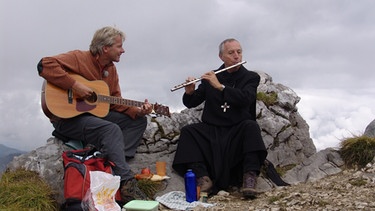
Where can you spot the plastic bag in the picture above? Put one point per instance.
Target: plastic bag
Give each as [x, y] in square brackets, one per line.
[101, 194]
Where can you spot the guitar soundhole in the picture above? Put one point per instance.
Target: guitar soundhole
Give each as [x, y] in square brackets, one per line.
[93, 98]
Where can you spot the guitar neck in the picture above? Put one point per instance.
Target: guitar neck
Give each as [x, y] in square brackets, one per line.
[118, 101]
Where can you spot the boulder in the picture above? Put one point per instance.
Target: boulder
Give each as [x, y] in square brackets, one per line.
[370, 130]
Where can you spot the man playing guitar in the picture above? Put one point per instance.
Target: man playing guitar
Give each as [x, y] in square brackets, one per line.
[117, 133]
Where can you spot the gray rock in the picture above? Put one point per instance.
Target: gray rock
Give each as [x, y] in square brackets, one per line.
[324, 163]
[370, 130]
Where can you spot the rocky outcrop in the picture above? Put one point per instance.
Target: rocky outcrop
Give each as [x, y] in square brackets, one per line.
[284, 131]
[370, 130]
[324, 163]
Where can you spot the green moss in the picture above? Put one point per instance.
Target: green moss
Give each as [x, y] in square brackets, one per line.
[267, 98]
[282, 170]
[161, 132]
[358, 182]
[276, 198]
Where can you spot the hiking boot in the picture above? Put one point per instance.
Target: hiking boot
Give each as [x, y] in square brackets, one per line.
[205, 184]
[130, 191]
[248, 184]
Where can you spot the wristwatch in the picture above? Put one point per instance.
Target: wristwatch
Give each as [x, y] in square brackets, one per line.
[223, 87]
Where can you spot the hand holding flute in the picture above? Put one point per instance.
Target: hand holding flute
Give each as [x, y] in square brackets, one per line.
[191, 80]
[209, 76]
[190, 88]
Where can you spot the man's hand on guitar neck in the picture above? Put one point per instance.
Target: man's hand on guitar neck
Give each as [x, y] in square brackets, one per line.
[82, 90]
[145, 109]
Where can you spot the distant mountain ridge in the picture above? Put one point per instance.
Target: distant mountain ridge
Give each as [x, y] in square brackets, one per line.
[6, 155]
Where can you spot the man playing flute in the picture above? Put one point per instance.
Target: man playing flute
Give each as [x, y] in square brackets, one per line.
[225, 149]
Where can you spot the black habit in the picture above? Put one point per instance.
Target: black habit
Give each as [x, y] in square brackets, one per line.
[228, 130]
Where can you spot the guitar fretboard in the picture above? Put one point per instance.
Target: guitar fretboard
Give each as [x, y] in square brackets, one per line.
[118, 101]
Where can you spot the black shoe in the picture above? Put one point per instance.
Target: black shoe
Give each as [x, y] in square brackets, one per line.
[130, 191]
[205, 184]
[248, 184]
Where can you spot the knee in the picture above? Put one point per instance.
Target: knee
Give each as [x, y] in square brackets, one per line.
[114, 136]
[113, 130]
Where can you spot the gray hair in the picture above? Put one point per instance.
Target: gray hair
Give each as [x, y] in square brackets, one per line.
[104, 37]
[221, 46]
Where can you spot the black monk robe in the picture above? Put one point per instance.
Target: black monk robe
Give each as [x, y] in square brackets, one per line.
[227, 132]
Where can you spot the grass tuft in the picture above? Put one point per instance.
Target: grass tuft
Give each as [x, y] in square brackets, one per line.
[150, 188]
[357, 151]
[22, 189]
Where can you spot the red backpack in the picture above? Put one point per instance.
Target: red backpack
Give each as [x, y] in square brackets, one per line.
[77, 167]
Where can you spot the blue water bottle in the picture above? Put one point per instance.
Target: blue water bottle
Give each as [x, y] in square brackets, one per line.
[190, 186]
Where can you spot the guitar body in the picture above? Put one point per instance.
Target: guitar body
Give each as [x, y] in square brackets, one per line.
[62, 104]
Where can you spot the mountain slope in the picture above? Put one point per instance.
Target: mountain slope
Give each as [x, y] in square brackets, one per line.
[6, 155]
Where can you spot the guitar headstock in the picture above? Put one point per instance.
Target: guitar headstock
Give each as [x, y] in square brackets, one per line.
[159, 109]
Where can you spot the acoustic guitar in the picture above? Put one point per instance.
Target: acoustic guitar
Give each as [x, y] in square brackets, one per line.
[64, 104]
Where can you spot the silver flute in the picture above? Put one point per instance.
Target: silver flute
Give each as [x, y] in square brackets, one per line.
[198, 79]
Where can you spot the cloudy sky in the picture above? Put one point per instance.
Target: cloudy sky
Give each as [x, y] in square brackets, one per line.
[322, 49]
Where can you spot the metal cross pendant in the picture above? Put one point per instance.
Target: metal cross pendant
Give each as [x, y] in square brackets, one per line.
[225, 106]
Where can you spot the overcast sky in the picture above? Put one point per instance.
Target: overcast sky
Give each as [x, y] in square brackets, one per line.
[322, 49]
